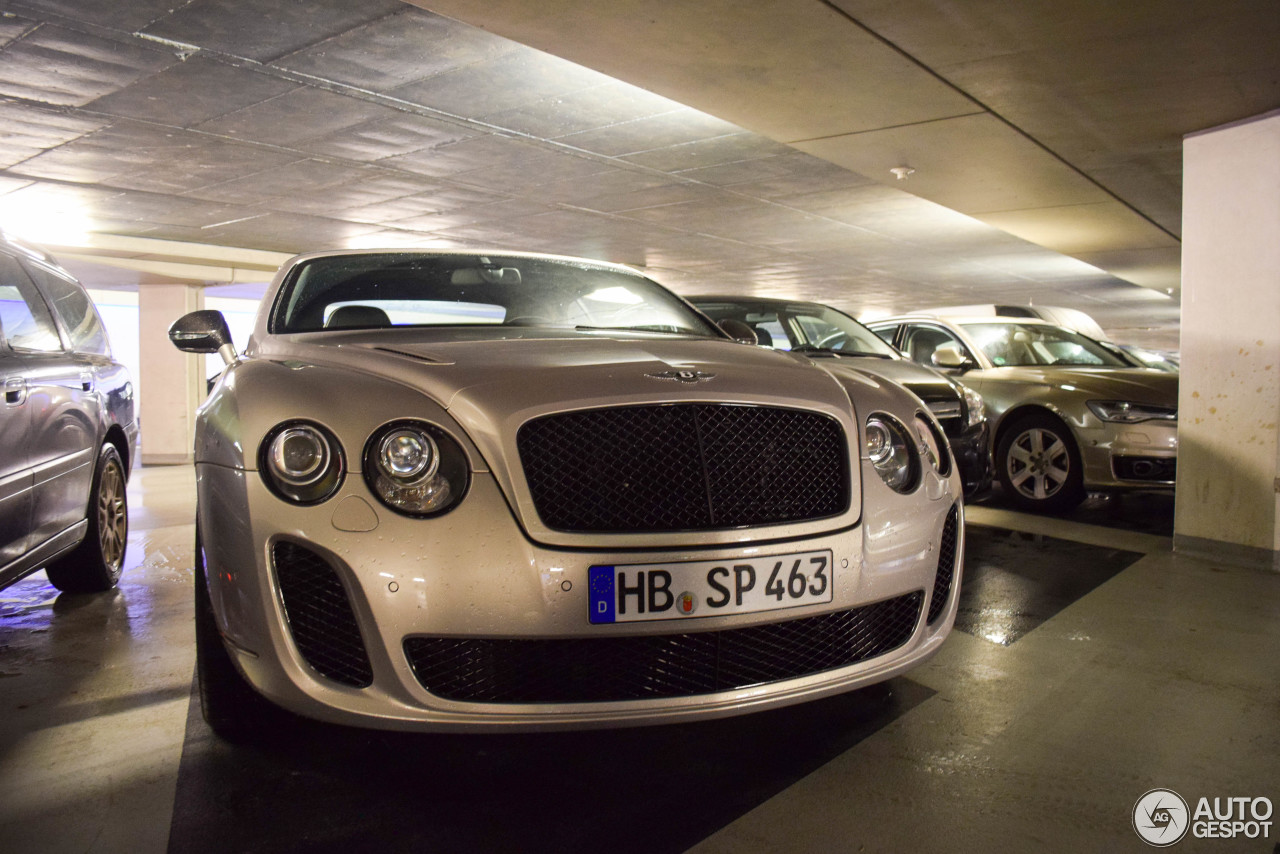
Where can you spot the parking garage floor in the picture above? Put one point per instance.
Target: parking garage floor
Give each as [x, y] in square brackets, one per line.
[1090, 666]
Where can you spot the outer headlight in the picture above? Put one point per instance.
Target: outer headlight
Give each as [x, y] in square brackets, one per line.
[935, 445]
[415, 468]
[1128, 412]
[974, 406]
[301, 462]
[892, 452]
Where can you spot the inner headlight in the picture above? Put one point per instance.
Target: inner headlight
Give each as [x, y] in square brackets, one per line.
[935, 445]
[415, 468]
[301, 462]
[1128, 412]
[974, 406]
[892, 453]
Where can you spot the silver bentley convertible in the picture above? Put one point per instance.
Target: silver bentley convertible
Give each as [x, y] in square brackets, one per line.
[450, 491]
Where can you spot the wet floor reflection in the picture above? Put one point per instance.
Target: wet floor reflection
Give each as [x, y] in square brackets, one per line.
[1014, 581]
[1140, 512]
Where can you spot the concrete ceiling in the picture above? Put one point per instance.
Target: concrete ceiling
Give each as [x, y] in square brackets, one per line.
[749, 148]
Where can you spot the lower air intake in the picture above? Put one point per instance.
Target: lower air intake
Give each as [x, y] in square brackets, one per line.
[600, 670]
[946, 565]
[320, 616]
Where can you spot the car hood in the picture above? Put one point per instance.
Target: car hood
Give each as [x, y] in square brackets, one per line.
[1135, 384]
[925, 383]
[517, 374]
[492, 386]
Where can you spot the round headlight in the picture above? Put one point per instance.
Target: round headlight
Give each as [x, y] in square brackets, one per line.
[935, 445]
[879, 442]
[299, 455]
[415, 468]
[892, 453]
[408, 455]
[301, 462]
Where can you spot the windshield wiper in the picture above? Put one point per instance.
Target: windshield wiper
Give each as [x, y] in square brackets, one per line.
[659, 329]
[810, 350]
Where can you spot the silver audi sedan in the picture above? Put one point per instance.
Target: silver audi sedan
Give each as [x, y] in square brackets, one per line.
[454, 491]
[1068, 414]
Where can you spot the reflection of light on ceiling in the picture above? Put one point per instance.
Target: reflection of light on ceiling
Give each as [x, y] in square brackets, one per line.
[398, 240]
[873, 314]
[1043, 265]
[44, 218]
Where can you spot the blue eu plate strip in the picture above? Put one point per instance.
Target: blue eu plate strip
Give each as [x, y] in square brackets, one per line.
[602, 597]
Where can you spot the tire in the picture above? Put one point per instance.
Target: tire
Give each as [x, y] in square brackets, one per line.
[1039, 465]
[229, 705]
[95, 565]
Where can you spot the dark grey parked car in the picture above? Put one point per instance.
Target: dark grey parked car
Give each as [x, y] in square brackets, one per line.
[837, 341]
[67, 430]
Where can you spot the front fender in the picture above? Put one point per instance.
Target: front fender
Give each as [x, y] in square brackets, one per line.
[255, 395]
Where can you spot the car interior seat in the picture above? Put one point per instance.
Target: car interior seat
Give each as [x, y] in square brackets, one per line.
[357, 317]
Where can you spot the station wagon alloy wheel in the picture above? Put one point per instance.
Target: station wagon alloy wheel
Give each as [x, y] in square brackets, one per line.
[1039, 465]
[113, 524]
[95, 565]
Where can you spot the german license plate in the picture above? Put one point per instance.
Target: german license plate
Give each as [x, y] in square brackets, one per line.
[671, 591]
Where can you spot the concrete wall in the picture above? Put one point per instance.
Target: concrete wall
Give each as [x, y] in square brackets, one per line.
[1228, 500]
[173, 382]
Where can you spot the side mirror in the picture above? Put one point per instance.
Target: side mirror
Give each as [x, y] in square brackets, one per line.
[739, 331]
[950, 356]
[203, 332]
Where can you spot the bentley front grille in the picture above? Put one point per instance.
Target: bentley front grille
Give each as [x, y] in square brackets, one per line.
[608, 669]
[946, 565]
[684, 467]
[320, 616]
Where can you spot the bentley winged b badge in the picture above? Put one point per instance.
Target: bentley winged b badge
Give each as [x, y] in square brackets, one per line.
[685, 376]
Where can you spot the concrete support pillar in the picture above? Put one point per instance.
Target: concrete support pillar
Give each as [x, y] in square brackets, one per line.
[1228, 500]
[172, 383]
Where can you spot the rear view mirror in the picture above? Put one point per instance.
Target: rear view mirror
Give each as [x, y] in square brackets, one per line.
[203, 332]
[486, 276]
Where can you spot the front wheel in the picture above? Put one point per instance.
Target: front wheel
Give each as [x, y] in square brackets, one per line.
[95, 565]
[1039, 465]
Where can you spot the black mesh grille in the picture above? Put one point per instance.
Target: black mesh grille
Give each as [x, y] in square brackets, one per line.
[683, 467]
[585, 670]
[946, 565]
[320, 617]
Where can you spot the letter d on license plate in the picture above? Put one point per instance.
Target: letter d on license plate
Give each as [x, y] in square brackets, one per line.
[672, 591]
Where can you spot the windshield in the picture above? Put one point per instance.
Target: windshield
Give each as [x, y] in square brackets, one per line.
[375, 290]
[800, 327]
[1025, 344]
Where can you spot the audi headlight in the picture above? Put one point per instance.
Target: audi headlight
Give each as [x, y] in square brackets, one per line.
[935, 445]
[415, 468]
[1128, 412]
[892, 453]
[301, 462]
[974, 406]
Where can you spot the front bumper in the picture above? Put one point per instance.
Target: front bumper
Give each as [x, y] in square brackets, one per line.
[471, 591]
[972, 452]
[1129, 456]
